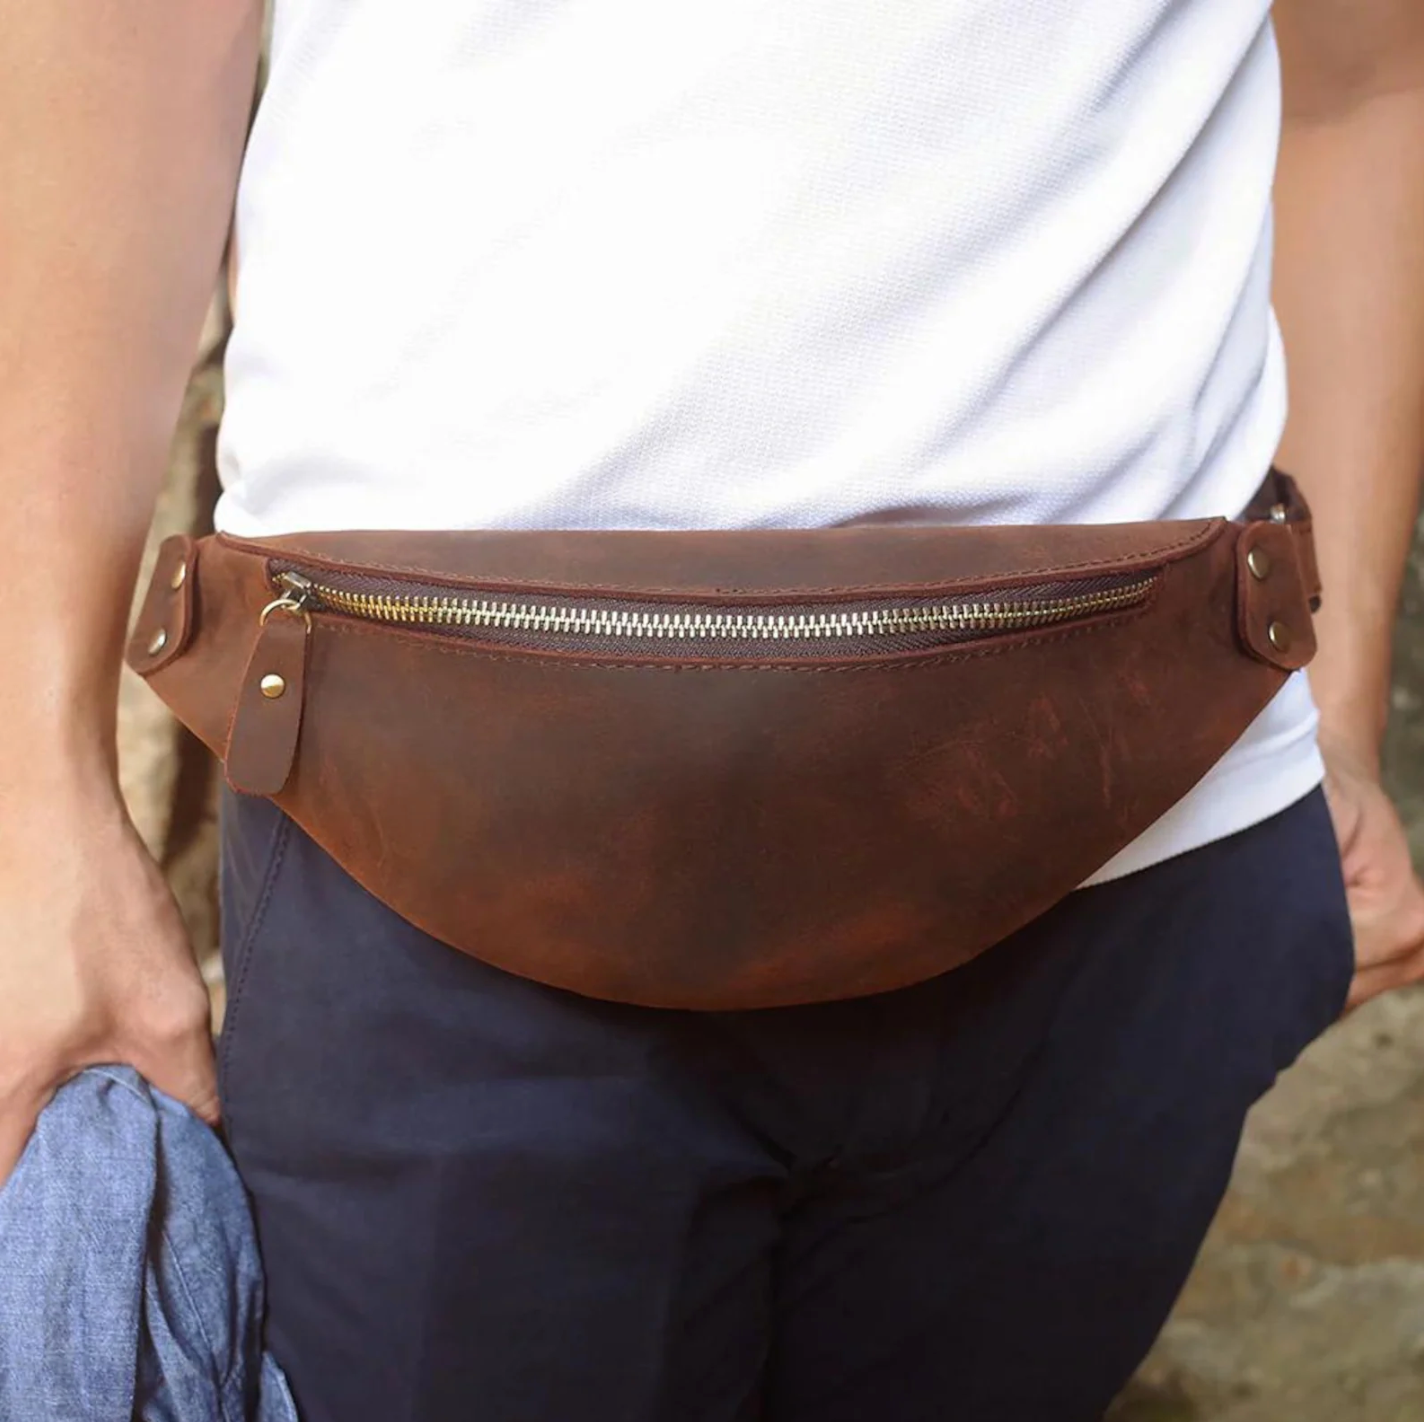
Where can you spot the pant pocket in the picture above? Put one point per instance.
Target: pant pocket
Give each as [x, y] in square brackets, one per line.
[1319, 938]
[254, 838]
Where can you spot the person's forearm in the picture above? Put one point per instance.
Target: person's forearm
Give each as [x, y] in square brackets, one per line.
[1349, 292]
[121, 130]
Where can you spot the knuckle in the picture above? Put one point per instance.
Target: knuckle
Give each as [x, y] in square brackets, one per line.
[174, 1019]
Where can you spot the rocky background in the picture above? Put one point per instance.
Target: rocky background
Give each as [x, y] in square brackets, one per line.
[1307, 1304]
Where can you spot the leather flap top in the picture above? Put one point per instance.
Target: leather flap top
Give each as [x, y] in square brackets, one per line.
[879, 557]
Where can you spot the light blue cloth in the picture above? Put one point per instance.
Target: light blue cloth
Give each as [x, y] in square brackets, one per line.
[130, 1284]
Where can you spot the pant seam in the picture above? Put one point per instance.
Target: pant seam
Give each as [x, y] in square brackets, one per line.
[244, 952]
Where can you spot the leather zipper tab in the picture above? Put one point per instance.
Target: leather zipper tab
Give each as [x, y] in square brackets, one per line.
[263, 743]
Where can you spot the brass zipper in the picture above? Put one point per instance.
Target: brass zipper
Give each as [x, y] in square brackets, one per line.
[1007, 611]
[594, 623]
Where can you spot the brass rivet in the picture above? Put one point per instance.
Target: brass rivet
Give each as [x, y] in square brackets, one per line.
[272, 686]
[1259, 562]
[1280, 636]
[157, 642]
[180, 576]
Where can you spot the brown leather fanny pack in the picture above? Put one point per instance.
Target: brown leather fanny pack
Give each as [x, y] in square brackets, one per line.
[730, 769]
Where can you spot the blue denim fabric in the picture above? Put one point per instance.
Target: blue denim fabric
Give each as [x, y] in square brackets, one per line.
[130, 1284]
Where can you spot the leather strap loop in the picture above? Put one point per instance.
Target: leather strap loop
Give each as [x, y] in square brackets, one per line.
[1273, 610]
[1280, 501]
[165, 622]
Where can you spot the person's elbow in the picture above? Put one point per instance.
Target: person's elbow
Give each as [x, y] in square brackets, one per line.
[1338, 56]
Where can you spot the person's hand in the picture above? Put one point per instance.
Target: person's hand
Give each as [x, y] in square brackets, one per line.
[1385, 895]
[95, 964]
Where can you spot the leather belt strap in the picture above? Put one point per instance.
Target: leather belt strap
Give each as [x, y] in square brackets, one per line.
[1279, 500]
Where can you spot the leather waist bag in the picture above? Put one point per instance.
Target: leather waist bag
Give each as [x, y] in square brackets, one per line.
[730, 769]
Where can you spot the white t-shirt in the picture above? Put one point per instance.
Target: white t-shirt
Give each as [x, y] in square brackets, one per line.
[522, 263]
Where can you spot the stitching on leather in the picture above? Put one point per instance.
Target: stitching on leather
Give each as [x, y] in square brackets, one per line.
[244, 952]
[907, 663]
[1168, 552]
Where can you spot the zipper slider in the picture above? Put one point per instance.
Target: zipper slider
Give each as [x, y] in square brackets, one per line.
[298, 589]
[297, 592]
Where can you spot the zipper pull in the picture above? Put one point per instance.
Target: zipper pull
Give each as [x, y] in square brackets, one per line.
[262, 746]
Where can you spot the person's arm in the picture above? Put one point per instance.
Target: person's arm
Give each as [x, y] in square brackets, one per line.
[1349, 293]
[122, 124]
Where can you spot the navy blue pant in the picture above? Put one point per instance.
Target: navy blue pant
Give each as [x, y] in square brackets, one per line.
[973, 1200]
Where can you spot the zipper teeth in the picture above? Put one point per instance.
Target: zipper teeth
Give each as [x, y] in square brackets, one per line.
[1000, 614]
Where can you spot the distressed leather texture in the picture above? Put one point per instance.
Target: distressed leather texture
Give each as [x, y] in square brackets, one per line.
[691, 833]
